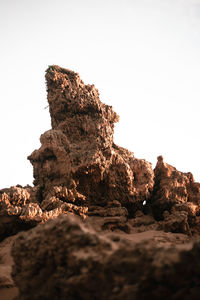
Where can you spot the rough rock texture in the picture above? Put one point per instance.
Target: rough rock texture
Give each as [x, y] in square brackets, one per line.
[65, 259]
[135, 232]
[8, 290]
[15, 203]
[78, 169]
[79, 154]
[175, 199]
[20, 210]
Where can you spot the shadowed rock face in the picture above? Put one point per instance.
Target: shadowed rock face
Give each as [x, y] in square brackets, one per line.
[20, 210]
[72, 262]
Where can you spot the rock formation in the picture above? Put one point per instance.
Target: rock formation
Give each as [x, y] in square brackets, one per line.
[118, 199]
[8, 288]
[176, 199]
[69, 260]
[79, 155]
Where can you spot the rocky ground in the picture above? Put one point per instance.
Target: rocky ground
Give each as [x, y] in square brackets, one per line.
[98, 223]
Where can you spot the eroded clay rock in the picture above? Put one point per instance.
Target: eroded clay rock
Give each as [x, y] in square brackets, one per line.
[176, 199]
[65, 259]
[20, 209]
[78, 153]
[6, 262]
[8, 289]
[79, 170]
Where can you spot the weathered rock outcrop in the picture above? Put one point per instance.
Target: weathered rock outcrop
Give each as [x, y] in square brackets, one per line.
[65, 259]
[78, 155]
[20, 209]
[8, 289]
[78, 167]
[78, 170]
[175, 199]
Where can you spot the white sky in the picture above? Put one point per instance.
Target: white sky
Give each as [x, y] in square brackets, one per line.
[142, 55]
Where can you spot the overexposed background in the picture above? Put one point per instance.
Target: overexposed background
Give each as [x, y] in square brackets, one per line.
[142, 55]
